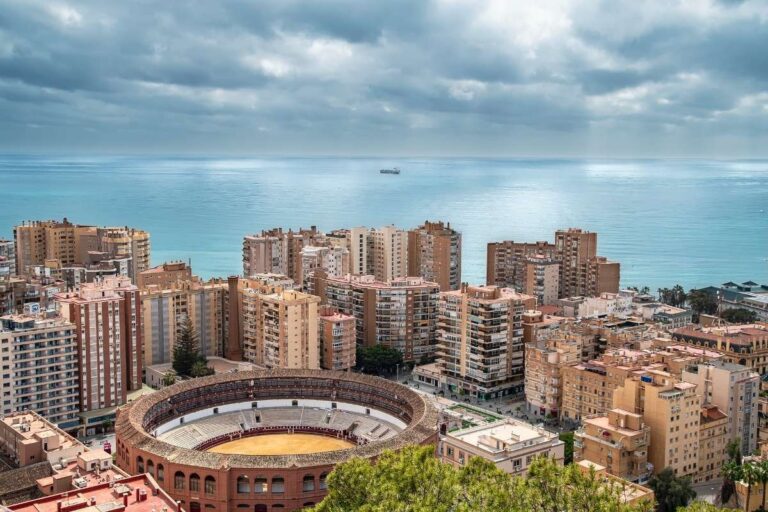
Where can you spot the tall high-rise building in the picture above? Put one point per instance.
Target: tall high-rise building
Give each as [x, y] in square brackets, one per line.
[165, 308]
[506, 262]
[401, 313]
[40, 368]
[480, 340]
[337, 339]
[281, 329]
[107, 318]
[542, 279]
[734, 389]
[334, 261]
[390, 253]
[434, 253]
[7, 258]
[582, 271]
[59, 244]
[276, 251]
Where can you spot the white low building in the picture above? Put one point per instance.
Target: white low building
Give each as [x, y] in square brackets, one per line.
[510, 444]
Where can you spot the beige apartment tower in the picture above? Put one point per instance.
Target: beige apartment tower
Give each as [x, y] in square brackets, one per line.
[480, 340]
[63, 244]
[337, 339]
[164, 309]
[506, 261]
[542, 279]
[582, 271]
[44, 377]
[672, 410]
[434, 253]
[107, 317]
[619, 441]
[276, 251]
[401, 313]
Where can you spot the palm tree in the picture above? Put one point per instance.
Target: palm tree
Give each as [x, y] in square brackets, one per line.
[750, 475]
[731, 472]
[763, 470]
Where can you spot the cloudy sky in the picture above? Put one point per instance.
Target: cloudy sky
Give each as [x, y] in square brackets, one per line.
[348, 77]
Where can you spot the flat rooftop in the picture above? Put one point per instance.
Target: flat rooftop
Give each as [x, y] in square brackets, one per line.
[141, 492]
[497, 436]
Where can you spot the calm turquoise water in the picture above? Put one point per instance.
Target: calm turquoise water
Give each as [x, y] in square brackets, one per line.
[689, 222]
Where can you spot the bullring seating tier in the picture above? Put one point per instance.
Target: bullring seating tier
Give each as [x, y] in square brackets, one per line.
[196, 432]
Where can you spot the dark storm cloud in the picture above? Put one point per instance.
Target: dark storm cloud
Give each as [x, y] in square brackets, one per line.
[341, 76]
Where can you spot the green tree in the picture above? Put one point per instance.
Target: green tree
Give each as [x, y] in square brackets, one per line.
[739, 316]
[201, 369]
[186, 351]
[700, 506]
[762, 472]
[702, 302]
[733, 449]
[731, 472]
[106, 425]
[414, 480]
[378, 359]
[169, 378]
[750, 475]
[567, 438]
[672, 492]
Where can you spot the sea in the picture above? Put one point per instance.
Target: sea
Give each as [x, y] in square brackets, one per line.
[692, 222]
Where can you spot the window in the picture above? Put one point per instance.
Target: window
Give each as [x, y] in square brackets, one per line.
[260, 485]
[178, 481]
[278, 485]
[160, 473]
[194, 506]
[260, 508]
[194, 482]
[139, 464]
[151, 468]
[295, 403]
[323, 485]
[243, 485]
[308, 483]
[210, 485]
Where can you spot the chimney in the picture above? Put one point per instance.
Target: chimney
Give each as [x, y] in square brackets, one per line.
[137, 495]
[125, 500]
[58, 506]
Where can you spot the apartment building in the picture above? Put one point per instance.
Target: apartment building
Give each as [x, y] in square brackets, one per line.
[165, 275]
[434, 253]
[480, 340]
[107, 318]
[59, 244]
[506, 261]
[672, 410]
[545, 362]
[278, 252]
[7, 258]
[166, 306]
[333, 261]
[390, 253]
[40, 370]
[286, 331]
[713, 443]
[337, 339]
[542, 279]
[401, 313]
[511, 445]
[734, 389]
[745, 344]
[582, 271]
[619, 441]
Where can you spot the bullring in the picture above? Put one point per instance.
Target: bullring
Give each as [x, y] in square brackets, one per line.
[172, 433]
